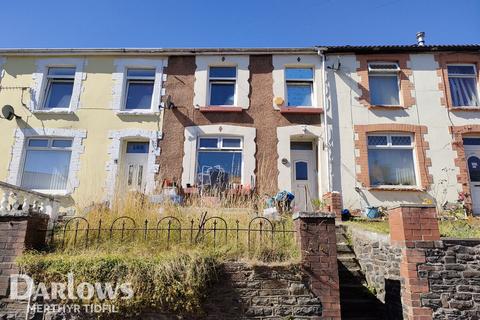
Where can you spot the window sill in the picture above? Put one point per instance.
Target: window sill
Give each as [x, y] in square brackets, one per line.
[52, 192]
[396, 188]
[474, 109]
[387, 107]
[53, 111]
[301, 110]
[137, 113]
[220, 109]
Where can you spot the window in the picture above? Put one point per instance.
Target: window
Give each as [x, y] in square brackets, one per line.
[137, 147]
[140, 84]
[301, 170]
[219, 162]
[463, 85]
[299, 86]
[47, 163]
[59, 88]
[222, 85]
[390, 160]
[383, 83]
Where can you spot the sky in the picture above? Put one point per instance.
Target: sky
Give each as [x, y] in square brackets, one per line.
[234, 23]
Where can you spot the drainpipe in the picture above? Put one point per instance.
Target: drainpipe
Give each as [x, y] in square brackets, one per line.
[325, 116]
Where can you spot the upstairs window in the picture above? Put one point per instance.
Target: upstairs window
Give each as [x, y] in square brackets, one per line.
[299, 86]
[46, 164]
[219, 162]
[222, 82]
[391, 160]
[140, 83]
[463, 85]
[383, 82]
[59, 88]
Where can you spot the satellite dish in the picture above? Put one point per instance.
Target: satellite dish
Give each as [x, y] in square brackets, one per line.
[169, 103]
[9, 113]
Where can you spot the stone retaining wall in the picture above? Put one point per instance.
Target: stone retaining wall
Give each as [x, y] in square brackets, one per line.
[452, 268]
[378, 259]
[262, 292]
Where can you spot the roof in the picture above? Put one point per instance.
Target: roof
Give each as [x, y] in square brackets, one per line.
[230, 51]
[401, 48]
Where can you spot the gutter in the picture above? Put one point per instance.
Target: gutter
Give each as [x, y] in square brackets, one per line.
[325, 116]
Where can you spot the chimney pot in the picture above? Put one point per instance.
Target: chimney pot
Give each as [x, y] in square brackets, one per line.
[421, 39]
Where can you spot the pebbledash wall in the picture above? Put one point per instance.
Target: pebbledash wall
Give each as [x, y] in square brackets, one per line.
[424, 111]
[192, 116]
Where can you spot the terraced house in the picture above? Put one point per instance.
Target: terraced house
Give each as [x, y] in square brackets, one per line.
[373, 125]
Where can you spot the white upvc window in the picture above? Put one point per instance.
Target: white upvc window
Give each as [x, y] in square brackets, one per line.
[46, 164]
[222, 85]
[137, 86]
[462, 79]
[219, 162]
[57, 85]
[299, 83]
[391, 159]
[384, 83]
[59, 88]
[139, 90]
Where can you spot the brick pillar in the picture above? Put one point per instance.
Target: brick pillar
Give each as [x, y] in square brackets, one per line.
[318, 246]
[333, 203]
[413, 227]
[18, 233]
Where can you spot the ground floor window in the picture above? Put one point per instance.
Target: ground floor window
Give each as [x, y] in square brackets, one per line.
[47, 163]
[391, 160]
[219, 162]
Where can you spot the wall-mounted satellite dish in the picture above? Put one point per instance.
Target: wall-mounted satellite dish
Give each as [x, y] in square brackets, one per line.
[9, 113]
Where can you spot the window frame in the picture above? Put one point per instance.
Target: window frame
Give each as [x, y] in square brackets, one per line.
[57, 78]
[220, 148]
[385, 73]
[222, 80]
[472, 76]
[390, 146]
[49, 147]
[138, 79]
[299, 82]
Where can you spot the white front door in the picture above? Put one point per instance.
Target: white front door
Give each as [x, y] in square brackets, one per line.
[135, 166]
[304, 175]
[472, 155]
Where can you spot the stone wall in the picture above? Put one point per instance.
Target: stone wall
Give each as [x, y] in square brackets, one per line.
[378, 259]
[262, 292]
[452, 268]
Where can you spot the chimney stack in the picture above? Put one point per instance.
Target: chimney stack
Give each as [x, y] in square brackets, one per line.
[421, 39]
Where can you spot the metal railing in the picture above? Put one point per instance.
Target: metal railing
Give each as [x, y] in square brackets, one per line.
[78, 232]
[15, 200]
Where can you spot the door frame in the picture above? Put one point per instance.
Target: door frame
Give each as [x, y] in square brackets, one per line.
[468, 149]
[306, 156]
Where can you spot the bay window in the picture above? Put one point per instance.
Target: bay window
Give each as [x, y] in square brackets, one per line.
[219, 162]
[383, 82]
[463, 85]
[391, 160]
[47, 163]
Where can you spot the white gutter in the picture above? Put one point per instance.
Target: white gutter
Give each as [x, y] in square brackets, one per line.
[326, 140]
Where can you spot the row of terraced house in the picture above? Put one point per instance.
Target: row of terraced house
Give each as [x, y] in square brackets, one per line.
[367, 125]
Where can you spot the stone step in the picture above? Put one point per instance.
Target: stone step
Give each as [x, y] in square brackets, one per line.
[343, 248]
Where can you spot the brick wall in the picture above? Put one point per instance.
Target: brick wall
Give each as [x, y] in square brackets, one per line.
[412, 228]
[17, 233]
[318, 247]
[334, 203]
